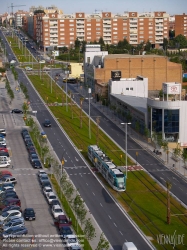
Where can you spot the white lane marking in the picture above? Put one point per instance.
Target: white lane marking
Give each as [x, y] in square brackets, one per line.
[120, 232]
[180, 188]
[115, 225]
[87, 184]
[101, 205]
[109, 217]
[93, 193]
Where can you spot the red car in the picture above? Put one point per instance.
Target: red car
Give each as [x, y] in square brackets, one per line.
[9, 202]
[5, 172]
[4, 150]
[62, 220]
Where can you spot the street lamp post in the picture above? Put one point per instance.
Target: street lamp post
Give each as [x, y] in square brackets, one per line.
[89, 91]
[127, 123]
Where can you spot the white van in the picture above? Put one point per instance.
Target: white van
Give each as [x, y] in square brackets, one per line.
[129, 246]
[4, 158]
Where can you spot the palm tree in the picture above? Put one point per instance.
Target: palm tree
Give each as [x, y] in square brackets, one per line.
[81, 102]
[168, 185]
[165, 148]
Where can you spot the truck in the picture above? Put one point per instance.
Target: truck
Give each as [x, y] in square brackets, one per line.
[62, 221]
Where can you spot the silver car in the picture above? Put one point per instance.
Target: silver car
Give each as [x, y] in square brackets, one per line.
[13, 223]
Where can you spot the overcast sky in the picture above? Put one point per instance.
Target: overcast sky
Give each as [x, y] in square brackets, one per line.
[89, 6]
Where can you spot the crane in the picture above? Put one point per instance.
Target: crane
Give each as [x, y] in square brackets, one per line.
[97, 11]
[12, 6]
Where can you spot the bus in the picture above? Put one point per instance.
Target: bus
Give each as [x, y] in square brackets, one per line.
[70, 80]
[114, 176]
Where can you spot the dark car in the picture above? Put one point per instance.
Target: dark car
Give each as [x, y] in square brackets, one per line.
[17, 111]
[9, 195]
[31, 150]
[11, 208]
[14, 232]
[28, 141]
[46, 184]
[64, 231]
[43, 177]
[27, 137]
[9, 202]
[25, 133]
[55, 202]
[24, 130]
[29, 145]
[36, 164]
[47, 123]
[33, 157]
[29, 214]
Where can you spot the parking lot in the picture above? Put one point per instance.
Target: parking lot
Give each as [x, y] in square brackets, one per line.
[28, 188]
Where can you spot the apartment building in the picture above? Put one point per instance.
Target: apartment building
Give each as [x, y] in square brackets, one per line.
[181, 25]
[19, 16]
[56, 29]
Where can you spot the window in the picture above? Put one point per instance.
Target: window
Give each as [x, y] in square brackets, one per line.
[150, 32]
[124, 24]
[98, 33]
[71, 34]
[115, 33]
[88, 24]
[88, 28]
[61, 29]
[124, 28]
[89, 33]
[127, 88]
[88, 20]
[61, 25]
[131, 88]
[71, 25]
[62, 34]
[97, 20]
[115, 20]
[98, 28]
[141, 32]
[88, 37]
[115, 24]
[61, 21]
[141, 19]
[97, 24]
[150, 28]
[71, 38]
[71, 21]
[46, 30]
[141, 23]
[71, 29]
[115, 28]
[115, 37]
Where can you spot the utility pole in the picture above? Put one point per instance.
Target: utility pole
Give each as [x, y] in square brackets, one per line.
[98, 121]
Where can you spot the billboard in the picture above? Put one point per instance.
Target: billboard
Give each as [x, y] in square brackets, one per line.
[171, 88]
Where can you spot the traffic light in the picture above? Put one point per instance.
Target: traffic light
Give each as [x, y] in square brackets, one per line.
[69, 68]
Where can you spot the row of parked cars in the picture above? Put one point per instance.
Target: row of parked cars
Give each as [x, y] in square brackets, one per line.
[12, 219]
[63, 224]
[33, 156]
[4, 155]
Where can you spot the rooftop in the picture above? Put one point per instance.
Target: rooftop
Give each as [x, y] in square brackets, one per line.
[130, 56]
[138, 103]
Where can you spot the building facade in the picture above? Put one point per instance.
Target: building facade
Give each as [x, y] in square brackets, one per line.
[181, 25]
[58, 29]
[19, 17]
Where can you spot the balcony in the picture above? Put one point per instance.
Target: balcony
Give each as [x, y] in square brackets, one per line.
[107, 38]
[80, 22]
[53, 31]
[80, 30]
[106, 29]
[54, 36]
[133, 31]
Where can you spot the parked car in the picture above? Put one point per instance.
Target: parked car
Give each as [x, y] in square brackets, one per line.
[31, 150]
[28, 141]
[75, 247]
[62, 221]
[14, 232]
[27, 137]
[5, 189]
[47, 190]
[40, 172]
[9, 195]
[33, 157]
[46, 184]
[43, 177]
[13, 223]
[71, 240]
[24, 130]
[9, 214]
[3, 131]
[64, 231]
[36, 164]
[8, 179]
[7, 185]
[42, 61]
[47, 123]
[17, 111]
[3, 172]
[10, 201]
[56, 211]
[29, 145]
[29, 214]
[9, 191]
[12, 208]
[50, 196]
[55, 202]
[28, 68]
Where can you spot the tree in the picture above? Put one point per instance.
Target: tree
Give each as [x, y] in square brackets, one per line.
[89, 230]
[184, 156]
[180, 41]
[81, 102]
[79, 208]
[168, 185]
[165, 44]
[165, 148]
[103, 243]
[148, 46]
